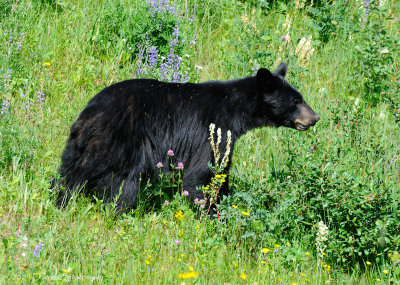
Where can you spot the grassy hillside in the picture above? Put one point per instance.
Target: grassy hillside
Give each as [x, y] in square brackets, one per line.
[285, 186]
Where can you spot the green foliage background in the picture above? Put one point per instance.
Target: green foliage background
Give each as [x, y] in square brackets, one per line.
[344, 171]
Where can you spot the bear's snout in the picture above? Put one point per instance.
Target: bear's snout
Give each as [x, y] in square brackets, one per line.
[307, 118]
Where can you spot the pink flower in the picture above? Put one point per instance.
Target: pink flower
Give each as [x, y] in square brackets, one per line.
[159, 165]
[177, 242]
[284, 38]
[185, 193]
[171, 152]
[202, 201]
[396, 19]
[180, 165]
[17, 234]
[202, 206]
[166, 202]
[196, 201]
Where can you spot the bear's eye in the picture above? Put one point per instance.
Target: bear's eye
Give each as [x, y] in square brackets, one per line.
[296, 101]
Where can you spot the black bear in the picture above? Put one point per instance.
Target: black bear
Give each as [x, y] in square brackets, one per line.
[127, 128]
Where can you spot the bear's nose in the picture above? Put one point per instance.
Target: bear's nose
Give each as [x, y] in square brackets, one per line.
[315, 119]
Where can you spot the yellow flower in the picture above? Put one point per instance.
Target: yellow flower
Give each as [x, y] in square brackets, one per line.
[385, 271]
[328, 269]
[182, 255]
[307, 253]
[379, 280]
[179, 259]
[235, 264]
[188, 275]
[307, 279]
[191, 268]
[222, 180]
[288, 243]
[67, 270]
[98, 253]
[150, 256]
[303, 274]
[47, 63]
[368, 263]
[234, 206]
[245, 213]
[323, 253]
[218, 176]
[197, 227]
[276, 245]
[179, 215]
[265, 250]
[279, 279]
[294, 283]
[262, 261]
[147, 262]
[243, 276]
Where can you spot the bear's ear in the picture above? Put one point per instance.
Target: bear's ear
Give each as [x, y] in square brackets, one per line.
[282, 69]
[264, 79]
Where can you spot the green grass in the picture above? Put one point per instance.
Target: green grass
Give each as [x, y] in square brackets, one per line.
[355, 156]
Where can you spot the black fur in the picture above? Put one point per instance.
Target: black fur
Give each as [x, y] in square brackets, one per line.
[127, 128]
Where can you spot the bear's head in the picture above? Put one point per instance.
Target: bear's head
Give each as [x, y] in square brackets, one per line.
[279, 103]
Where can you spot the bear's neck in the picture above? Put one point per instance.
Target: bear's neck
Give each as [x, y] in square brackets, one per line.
[238, 106]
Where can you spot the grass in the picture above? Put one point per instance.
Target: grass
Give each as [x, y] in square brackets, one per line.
[355, 149]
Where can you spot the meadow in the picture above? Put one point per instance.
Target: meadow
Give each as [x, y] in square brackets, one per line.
[315, 207]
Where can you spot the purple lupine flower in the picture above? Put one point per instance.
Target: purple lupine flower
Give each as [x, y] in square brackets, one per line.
[159, 165]
[38, 249]
[152, 54]
[366, 8]
[40, 97]
[5, 107]
[170, 152]
[180, 166]
[185, 193]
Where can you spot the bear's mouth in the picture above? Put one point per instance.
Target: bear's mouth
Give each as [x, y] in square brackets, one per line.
[301, 127]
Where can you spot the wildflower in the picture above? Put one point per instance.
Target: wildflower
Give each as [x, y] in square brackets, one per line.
[197, 227]
[321, 237]
[185, 193]
[159, 165]
[67, 270]
[385, 271]
[198, 67]
[379, 280]
[262, 262]
[303, 274]
[307, 279]
[368, 263]
[178, 242]
[47, 64]
[243, 276]
[265, 250]
[287, 243]
[308, 254]
[276, 245]
[166, 202]
[202, 206]
[245, 213]
[245, 18]
[170, 152]
[179, 215]
[196, 201]
[304, 50]
[235, 264]
[396, 19]
[180, 166]
[284, 38]
[294, 283]
[234, 206]
[38, 249]
[188, 275]
[147, 262]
